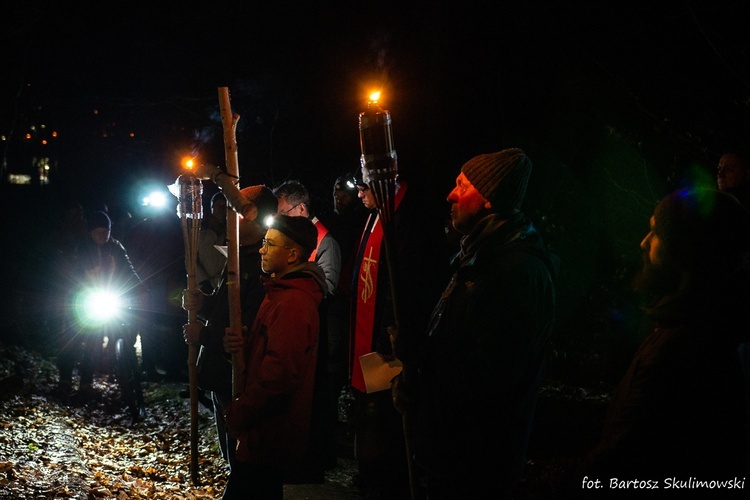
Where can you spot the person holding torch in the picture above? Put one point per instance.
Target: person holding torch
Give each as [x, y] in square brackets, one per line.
[481, 364]
[399, 269]
[270, 417]
[214, 365]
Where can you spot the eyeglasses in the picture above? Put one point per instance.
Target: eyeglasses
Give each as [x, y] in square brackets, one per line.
[267, 244]
[286, 212]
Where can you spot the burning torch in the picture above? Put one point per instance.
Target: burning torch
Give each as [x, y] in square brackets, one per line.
[189, 191]
[379, 162]
[379, 172]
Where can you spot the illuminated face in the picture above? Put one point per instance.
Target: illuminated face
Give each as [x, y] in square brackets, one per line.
[652, 245]
[467, 205]
[731, 173]
[277, 253]
[100, 235]
[367, 196]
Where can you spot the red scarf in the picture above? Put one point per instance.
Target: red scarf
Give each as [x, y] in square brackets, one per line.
[367, 288]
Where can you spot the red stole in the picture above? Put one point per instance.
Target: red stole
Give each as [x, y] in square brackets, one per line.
[367, 288]
[322, 231]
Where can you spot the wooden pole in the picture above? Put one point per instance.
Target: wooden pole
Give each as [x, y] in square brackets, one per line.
[191, 213]
[229, 121]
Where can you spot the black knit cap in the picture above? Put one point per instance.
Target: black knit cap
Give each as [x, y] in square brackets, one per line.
[299, 229]
[99, 219]
[703, 230]
[500, 177]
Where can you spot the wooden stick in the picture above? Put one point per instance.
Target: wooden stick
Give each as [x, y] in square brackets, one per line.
[229, 121]
[192, 360]
[191, 212]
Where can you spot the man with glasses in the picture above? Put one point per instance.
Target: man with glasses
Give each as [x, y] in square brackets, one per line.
[294, 200]
[271, 417]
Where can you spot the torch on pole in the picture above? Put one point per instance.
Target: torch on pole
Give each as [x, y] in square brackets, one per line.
[190, 210]
[379, 171]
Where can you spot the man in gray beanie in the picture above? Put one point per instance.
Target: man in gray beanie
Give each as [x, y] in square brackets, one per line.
[481, 364]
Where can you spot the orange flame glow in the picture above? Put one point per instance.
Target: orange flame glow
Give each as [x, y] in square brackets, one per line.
[374, 96]
[188, 163]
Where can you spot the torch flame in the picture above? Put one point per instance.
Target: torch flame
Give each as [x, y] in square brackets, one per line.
[375, 96]
[188, 163]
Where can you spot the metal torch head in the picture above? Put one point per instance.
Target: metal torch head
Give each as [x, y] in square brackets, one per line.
[190, 198]
[379, 160]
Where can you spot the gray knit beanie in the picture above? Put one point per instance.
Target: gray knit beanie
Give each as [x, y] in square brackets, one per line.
[500, 177]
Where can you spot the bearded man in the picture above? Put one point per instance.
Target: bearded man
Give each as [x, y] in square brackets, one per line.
[679, 412]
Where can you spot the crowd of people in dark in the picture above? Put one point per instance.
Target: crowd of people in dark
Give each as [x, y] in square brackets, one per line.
[466, 311]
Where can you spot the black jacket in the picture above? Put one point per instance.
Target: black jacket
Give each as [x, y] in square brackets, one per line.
[483, 359]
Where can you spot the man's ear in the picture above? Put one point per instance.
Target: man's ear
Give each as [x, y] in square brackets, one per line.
[293, 255]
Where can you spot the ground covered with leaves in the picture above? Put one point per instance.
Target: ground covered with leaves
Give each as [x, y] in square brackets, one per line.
[94, 450]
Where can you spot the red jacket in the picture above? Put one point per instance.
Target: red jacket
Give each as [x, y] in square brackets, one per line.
[271, 417]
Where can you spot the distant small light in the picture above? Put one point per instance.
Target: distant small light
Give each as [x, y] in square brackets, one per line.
[132, 134]
[44, 141]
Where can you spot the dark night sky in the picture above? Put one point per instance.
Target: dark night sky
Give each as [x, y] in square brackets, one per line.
[615, 102]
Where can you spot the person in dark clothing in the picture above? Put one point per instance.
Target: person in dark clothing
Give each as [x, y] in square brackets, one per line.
[679, 414]
[417, 249]
[156, 247]
[214, 364]
[480, 367]
[102, 263]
